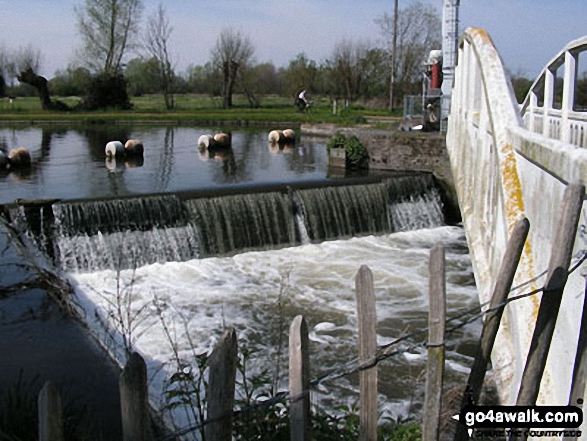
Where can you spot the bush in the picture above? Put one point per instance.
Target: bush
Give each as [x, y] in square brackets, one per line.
[106, 90]
[356, 153]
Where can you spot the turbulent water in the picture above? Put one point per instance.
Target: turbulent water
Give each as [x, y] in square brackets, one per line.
[146, 279]
[259, 293]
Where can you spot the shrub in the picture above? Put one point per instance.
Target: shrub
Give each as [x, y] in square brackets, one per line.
[106, 90]
[356, 153]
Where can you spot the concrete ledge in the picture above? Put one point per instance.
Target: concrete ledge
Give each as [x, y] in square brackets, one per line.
[563, 161]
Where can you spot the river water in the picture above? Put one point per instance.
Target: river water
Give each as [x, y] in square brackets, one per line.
[171, 309]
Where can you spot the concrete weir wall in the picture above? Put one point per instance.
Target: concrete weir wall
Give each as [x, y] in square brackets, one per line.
[401, 151]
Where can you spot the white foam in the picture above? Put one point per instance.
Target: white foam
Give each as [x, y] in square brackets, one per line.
[197, 298]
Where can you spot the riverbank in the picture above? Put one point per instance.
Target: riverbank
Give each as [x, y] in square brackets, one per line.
[203, 110]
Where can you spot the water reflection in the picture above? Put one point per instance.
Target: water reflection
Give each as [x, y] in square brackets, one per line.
[69, 162]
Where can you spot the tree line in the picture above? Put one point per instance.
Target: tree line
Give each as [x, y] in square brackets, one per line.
[120, 56]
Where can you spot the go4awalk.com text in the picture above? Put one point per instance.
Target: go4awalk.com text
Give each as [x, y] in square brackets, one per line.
[518, 421]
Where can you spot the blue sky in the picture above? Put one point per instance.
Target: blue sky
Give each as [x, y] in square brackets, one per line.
[527, 33]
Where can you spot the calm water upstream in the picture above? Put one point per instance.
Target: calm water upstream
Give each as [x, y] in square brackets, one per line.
[70, 163]
[184, 269]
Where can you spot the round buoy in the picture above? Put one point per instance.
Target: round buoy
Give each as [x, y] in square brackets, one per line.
[222, 139]
[114, 148]
[289, 135]
[134, 147]
[205, 141]
[19, 157]
[275, 136]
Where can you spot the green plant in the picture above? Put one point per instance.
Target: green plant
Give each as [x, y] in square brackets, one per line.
[356, 153]
[336, 142]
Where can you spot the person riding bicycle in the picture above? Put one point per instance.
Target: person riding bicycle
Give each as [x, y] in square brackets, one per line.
[301, 101]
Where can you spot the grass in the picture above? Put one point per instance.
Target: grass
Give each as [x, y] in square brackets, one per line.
[196, 108]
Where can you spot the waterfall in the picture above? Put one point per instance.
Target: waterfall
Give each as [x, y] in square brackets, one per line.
[241, 222]
[123, 233]
[128, 233]
[338, 212]
[415, 203]
[396, 204]
[118, 215]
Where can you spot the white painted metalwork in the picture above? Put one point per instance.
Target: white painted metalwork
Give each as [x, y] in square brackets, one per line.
[553, 116]
[503, 171]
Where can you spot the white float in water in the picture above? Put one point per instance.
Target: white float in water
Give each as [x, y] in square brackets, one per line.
[114, 149]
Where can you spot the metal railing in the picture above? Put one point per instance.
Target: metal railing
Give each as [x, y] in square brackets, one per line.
[551, 107]
[510, 161]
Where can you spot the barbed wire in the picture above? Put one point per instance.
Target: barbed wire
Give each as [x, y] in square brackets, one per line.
[383, 353]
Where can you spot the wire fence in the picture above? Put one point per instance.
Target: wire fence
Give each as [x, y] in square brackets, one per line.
[406, 343]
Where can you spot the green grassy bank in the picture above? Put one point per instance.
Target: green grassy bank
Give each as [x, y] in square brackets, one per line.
[201, 109]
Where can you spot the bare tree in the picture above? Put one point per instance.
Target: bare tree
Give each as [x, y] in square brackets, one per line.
[156, 43]
[27, 57]
[109, 29]
[300, 74]
[418, 31]
[8, 67]
[232, 51]
[4, 60]
[347, 64]
[27, 61]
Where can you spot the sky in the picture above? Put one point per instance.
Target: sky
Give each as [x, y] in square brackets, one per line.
[527, 33]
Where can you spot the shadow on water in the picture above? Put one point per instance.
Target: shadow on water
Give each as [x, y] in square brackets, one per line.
[46, 345]
[39, 343]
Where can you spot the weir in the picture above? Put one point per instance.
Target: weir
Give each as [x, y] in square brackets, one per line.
[87, 236]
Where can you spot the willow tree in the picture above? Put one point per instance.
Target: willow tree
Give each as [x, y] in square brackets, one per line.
[157, 46]
[109, 29]
[232, 51]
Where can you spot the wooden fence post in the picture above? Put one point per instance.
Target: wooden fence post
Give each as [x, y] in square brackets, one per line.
[436, 331]
[299, 380]
[367, 319]
[503, 284]
[221, 385]
[580, 367]
[134, 400]
[560, 259]
[50, 414]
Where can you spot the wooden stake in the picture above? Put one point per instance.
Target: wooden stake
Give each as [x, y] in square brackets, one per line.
[299, 380]
[436, 331]
[507, 271]
[367, 319]
[560, 260]
[221, 387]
[580, 367]
[134, 400]
[50, 414]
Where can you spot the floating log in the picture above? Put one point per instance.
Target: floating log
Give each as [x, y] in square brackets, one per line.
[114, 148]
[19, 157]
[134, 147]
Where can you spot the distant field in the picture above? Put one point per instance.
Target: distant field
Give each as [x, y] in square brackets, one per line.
[196, 108]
